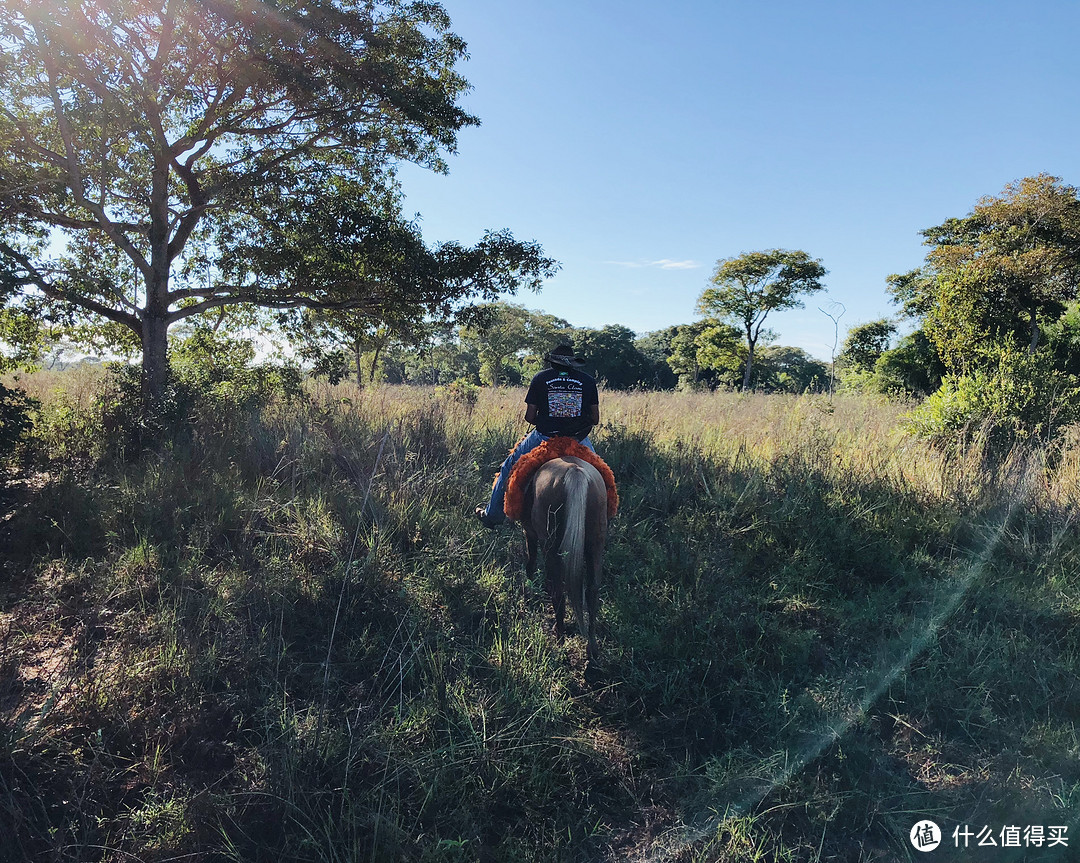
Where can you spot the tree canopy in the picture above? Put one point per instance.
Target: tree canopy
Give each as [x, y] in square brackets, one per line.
[996, 302]
[865, 343]
[999, 274]
[781, 368]
[500, 332]
[161, 159]
[745, 289]
[612, 357]
[655, 347]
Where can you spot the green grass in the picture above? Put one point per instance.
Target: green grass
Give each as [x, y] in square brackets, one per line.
[283, 637]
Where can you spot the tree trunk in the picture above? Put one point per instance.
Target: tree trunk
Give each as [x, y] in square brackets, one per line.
[374, 363]
[155, 322]
[1034, 333]
[359, 368]
[155, 362]
[749, 365]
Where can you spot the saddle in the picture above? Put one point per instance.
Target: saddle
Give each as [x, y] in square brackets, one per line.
[556, 447]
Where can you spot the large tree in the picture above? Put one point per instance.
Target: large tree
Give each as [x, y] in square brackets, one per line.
[782, 368]
[333, 340]
[998, 276]
[745, 289]
[161, 159]
[497, 333]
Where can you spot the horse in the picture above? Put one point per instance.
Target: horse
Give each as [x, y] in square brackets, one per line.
[565, 513]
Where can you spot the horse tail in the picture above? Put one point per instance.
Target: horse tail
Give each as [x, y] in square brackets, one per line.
[572, 549]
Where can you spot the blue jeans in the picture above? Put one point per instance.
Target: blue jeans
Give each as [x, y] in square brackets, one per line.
[531, 441]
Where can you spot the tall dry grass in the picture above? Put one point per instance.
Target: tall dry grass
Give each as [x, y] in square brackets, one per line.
[283, 636]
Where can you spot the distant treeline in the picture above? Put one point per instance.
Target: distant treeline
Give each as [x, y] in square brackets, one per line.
[504, 345]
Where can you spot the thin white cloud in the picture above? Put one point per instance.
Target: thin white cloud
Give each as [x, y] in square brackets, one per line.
[663, 264]
[666, 264]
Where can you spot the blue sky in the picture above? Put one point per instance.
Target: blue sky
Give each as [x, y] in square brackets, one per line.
[640, 142]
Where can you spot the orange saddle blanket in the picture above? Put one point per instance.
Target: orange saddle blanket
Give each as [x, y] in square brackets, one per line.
[556, 447]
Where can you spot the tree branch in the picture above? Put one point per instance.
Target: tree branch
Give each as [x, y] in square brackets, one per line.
[61, 221]
[37, 279]
[75, 179]
[284, 303]
[28, 140]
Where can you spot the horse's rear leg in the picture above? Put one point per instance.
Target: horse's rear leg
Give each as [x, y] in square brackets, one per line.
[532, 546]
[553, 581]
[575, 588]
[594, 566]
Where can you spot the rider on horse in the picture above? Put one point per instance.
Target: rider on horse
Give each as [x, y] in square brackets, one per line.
[561, 401]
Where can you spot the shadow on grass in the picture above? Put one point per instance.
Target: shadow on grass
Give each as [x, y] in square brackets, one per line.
[254, 659]
[771, 620]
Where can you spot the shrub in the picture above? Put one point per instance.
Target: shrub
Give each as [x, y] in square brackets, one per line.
[462, 390]
[15, 407]
[1023, 398]
[911, 369]
[214, 391]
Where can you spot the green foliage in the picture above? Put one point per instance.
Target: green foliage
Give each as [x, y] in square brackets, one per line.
[718, 349]
[334, 340]
[864, 344]
[705, 354]
[214, 390]
[25, 335]
[503, 335]
[462, 391]
[656, 348]
[1023, 398]
[789, 370]
[996, 302]
[996, 277]
[334, 366]
[508, 341]
[199, 157]
[913, 291]
[219, 370]
[337, 254]
[15, 422]
[613, 357]
[912, 369]
[709, 354]
[748, 287]
[867, 364]
[683, 355]
[1063, 339]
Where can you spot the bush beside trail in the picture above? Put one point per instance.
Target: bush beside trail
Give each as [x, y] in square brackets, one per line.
[281, 636]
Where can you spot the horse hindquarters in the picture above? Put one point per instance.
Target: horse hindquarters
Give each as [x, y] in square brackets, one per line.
[566, 516]
[572, 547]
[582, 548]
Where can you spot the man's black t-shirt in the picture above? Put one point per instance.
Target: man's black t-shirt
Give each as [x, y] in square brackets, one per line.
[561, 397]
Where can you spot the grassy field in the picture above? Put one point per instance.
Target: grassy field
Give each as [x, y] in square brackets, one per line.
[283, 637]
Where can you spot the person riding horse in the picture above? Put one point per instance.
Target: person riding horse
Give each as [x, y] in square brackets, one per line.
[562, 401]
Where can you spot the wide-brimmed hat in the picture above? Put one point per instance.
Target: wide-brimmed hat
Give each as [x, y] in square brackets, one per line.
[564, 356]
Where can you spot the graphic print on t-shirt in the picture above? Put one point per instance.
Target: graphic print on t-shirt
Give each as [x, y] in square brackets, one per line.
[560, 397]
[564, 404]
